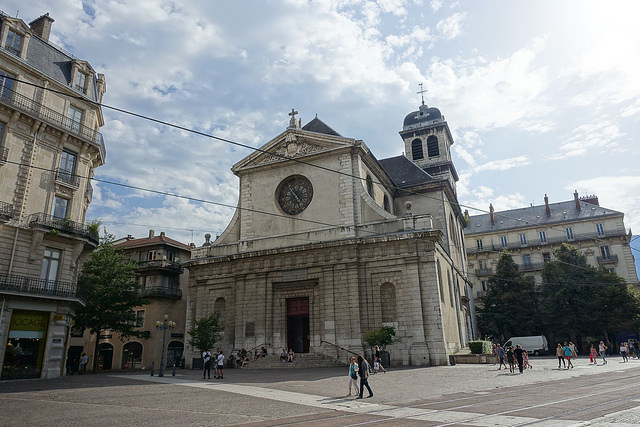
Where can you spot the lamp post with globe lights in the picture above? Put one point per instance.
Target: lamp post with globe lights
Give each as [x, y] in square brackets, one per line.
[164, 325]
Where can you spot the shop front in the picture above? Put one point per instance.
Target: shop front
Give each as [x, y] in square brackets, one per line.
[24, 351]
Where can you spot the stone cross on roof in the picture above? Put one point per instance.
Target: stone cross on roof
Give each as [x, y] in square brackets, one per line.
[292, 120]
[421, 92]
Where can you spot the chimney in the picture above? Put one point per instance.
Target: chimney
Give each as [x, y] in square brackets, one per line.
[546, 205]
[151, 233]
[42, 26]
[466, 215]
[129, 237]
[576, 199]
[162, 234]
[592, 199]
[493, 220]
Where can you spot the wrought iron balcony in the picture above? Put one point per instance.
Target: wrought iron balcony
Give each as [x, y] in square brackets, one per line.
[160, 264]
[36, 110]
[6, 211]
[4, 154]
[531, 266]
[68, 178]
[611, 259]
[33, 285]
[64, 225]
[484, 272]
[158, 291]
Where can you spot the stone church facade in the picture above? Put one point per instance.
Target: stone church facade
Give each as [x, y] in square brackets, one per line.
[328, 242]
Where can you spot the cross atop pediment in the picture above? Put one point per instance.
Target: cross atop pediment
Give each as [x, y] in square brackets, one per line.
[292, 120]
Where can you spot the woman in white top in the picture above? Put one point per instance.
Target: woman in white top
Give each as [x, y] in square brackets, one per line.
[353, 375]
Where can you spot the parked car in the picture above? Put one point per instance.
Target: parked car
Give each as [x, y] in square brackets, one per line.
[536, 345]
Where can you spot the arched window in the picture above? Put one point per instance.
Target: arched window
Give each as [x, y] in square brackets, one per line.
[370, 185]
[388, 302]
[416, 149]
[439, 280]
[432, 146]
[218, 308]
[385, 204]
[132, 355]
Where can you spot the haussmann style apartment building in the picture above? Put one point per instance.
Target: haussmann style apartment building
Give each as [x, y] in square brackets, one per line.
[532, 234]
[49, 147]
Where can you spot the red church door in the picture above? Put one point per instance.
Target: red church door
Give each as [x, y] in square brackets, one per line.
[298, 334]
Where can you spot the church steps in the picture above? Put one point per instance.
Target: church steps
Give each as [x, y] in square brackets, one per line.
[302, 361]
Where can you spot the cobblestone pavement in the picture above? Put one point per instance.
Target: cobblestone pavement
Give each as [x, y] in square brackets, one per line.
[470, 395]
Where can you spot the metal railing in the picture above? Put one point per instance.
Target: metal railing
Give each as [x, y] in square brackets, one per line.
[531, 266]
[64, 225]
[4, 154]
[158, 291]
[607, 259]
[488, 247]
[160, 264]
[484, 272]
[67, 177]
[39, 111]
[32, 285]
[6, 211]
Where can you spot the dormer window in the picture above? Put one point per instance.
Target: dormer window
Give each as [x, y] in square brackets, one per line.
[80, 82]
[14, 42]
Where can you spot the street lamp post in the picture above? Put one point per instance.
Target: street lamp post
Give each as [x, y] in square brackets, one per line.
[164, 325]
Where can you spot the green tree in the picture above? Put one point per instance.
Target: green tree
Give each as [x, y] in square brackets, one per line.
[579, 300]
[510, 306]
[108, 285]
[206, 332]
[382, 337]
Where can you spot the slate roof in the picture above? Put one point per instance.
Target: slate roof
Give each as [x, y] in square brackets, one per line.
[403, 172]
[318, 126]
[536, 215]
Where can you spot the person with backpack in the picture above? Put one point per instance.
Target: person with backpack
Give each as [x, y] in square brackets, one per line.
[363, 371]
[353, 376]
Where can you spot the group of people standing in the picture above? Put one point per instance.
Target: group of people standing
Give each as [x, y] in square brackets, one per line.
[513, 356]
[359, 367]
[217, 359]
[565, 353]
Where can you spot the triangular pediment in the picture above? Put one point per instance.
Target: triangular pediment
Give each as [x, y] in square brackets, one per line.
[293, 144]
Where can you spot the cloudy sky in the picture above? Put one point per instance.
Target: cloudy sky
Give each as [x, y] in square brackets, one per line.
[542, 97]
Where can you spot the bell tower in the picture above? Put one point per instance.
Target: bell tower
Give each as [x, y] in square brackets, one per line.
[427, 142]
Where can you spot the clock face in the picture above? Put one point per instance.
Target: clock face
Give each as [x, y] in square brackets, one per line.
[294, 194]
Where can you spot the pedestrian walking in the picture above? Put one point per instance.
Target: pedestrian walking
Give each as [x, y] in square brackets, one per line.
[363, 371]
[560, 354]
[494, 351]
[567, 355]
[518, 352]
[623, 352]
[574, 350]
[525, 357]
[593, 354]
[83, 363]
[602, 350]
[500, 353]
[220, 363]
[353, 376]
[206, 357]
[511, 359]
[377, 366]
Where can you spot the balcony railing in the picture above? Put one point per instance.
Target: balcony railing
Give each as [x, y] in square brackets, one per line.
[68, 178]
[611, 259]
[32, 285]
[158, 291]
[64, 225]
[6, 211]
[531, 266]
[4, 154]
[160, 264]
[488, 247]
[29, 106]
[484, 272]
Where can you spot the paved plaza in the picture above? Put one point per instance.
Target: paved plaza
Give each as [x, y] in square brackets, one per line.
[470, 395]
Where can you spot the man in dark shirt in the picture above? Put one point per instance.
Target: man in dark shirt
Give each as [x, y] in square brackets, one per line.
[519, 353]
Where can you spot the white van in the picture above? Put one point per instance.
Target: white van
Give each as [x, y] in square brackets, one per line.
[535, 345]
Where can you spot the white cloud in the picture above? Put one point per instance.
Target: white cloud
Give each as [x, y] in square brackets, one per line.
[451, 27]
[503, 164]
[600, 137]
[436, 5]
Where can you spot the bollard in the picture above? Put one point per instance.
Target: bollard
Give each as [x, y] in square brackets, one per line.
[173, 374]
[152, 367]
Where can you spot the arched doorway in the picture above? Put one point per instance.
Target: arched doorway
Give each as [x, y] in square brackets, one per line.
[132, 355]
[105, 356]
[174, 353]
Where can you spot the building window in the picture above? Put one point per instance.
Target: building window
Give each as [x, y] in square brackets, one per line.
[75, 118]
[569, 231]
[546, 257]
[50, 264]
[503, 241]
[6, 84]
[543, 236]
[66, 172]
[523, 239]
[600, 230]
[80, 81]
[139, 319]
[385, 203]
[151, 255]
[479, 244]
[369, 185]
[526, 260]
[432, 146]
[14, 42]
[484, 286]
[416, 149]
[60, 207]
[604, 251]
